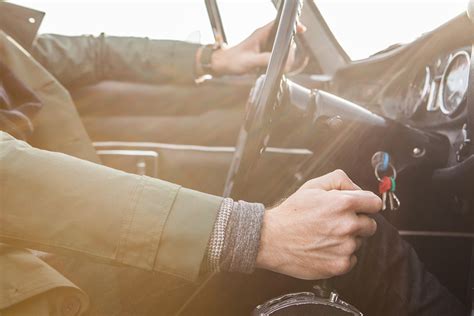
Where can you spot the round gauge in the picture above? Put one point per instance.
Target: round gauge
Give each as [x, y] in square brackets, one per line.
[454, 83]
[416, 93]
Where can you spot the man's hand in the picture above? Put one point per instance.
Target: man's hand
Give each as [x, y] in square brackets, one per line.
[248, 55]
[316, 231]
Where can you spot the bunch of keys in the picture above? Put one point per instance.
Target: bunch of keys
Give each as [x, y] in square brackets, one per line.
[387, 187]
[387, 184]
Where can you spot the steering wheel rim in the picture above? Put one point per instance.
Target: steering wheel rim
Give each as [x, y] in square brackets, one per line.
[264, 98]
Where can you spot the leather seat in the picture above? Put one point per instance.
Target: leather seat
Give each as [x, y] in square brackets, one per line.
[209, 114]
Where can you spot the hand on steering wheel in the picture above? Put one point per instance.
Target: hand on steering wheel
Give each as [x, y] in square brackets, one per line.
[250, 54]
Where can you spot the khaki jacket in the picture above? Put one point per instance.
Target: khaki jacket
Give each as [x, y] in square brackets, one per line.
[59, 199]
[85, 60]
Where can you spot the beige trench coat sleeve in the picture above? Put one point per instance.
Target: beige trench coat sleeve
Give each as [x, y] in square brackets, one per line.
[58, 126]
[57, 203]
[28, 286]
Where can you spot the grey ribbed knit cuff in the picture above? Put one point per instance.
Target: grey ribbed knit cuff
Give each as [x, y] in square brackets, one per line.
[216, 242]
[242, 237]
[235, 239]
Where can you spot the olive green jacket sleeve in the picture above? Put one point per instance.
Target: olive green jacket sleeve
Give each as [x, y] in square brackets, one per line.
[82, 60]
[57, 203]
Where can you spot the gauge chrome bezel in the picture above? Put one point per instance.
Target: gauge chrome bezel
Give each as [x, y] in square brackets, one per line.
[425, 92]
[442, 105]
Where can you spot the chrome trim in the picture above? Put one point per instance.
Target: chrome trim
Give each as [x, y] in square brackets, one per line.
[432, 104]
[279, 303]
[289, 151]
[139, 153]
[164, 146]
[141, 164]
[425, 94]
[435, 234]
[426, 88]
[222, 149]
[443, 79]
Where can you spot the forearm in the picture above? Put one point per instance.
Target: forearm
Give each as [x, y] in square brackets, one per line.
[82, 60]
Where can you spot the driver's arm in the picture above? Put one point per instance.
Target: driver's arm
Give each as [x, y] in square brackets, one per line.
[57, 203]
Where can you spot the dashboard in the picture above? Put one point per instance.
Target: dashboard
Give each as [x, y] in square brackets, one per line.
[435, 93]
[423, 83]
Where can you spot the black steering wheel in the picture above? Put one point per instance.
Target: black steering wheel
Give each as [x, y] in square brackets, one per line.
[264, 98]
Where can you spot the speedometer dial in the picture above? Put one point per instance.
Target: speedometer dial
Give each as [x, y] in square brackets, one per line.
[454, 83]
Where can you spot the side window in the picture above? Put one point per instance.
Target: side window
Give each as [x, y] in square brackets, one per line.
[241, 17]
[159, 19]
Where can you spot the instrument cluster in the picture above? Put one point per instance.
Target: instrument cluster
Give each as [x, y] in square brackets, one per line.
[439, 87]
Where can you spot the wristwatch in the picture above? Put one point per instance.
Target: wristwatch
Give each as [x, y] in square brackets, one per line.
[206, 58]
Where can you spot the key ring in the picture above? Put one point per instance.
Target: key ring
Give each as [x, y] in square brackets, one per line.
[394, 171]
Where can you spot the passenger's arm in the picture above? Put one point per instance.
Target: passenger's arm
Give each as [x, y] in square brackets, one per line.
[82, 60]
[57, 203]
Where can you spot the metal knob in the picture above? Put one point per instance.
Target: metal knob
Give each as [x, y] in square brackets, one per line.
[333, 297]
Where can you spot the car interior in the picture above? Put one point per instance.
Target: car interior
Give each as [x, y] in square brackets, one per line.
[259, 137]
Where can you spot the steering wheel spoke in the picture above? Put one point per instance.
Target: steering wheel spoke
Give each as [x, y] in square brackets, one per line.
[267, 94]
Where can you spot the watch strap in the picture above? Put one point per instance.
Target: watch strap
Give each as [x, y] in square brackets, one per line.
[206, 58]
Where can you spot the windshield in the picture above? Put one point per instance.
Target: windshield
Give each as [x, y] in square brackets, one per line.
[161, 19]
[364, 27]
